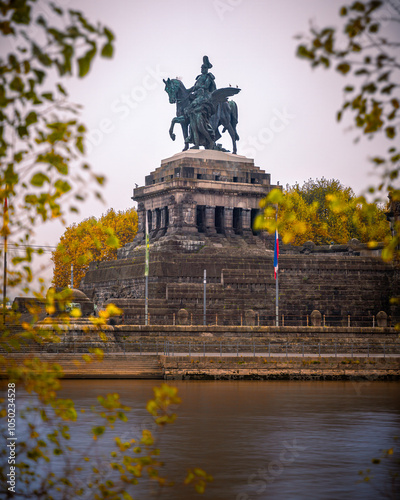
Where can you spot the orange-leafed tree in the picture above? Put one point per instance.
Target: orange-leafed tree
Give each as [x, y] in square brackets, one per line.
[92, 240]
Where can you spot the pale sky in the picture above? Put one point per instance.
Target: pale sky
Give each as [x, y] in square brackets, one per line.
[250, 44]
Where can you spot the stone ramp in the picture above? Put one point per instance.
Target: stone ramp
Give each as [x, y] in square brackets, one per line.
[115, 365]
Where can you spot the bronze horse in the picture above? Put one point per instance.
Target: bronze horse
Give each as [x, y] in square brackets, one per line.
[226, 111]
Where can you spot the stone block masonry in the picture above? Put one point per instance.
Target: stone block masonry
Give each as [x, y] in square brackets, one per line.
[200, 206]
[128, 366]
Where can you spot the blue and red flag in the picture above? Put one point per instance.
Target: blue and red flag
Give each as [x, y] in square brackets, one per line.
[276, 253]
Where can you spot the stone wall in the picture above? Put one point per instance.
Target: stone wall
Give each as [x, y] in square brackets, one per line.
[364, 370]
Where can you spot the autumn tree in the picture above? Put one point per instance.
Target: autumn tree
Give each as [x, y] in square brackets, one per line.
[365, 52]
[92, 240]
[325, 212]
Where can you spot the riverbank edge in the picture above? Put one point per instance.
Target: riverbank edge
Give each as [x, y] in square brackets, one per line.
[161, 367]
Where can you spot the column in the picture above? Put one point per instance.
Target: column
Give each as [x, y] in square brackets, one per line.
[154, 228]
[189, 217]
[246, 222]
[229, 221]
[210, 220]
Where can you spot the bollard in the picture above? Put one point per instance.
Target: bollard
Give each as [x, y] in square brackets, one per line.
[216, 320]
[324, 320]
[307, 319]
[173, 319]
[283, 320]
[241, 320]
[258, 319]
[348, 320]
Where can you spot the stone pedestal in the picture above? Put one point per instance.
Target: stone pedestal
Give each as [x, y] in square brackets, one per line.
[199, 193]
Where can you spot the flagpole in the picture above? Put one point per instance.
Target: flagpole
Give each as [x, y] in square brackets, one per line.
[5, 261]
[146, 274]
[276, 269]
[277, 298]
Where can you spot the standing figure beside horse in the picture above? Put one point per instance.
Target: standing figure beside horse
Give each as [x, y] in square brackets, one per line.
[201, 109]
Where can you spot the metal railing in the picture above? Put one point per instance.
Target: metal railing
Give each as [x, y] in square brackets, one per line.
[240, 319]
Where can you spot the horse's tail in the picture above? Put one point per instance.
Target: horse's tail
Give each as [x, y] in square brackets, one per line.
[234, 116]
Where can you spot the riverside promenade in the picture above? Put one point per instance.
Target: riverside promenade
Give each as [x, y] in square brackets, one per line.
[222, 367]
[221, 353]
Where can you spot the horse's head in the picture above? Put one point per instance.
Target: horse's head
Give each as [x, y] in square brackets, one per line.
[171, 88]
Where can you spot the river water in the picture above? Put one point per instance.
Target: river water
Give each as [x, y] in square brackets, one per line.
[277, 440]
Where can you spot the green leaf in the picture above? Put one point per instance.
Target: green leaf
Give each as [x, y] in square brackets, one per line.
[62, 186]
[79, 144]
[39, 179]
[31, 118]
[61, 89]
[39, 75]
[99, 430]
[302, 51]
[17, 84]
[388, 89]
[85, 62]
[390, 132]
[107, 50]
[343, 68]
[109, 34]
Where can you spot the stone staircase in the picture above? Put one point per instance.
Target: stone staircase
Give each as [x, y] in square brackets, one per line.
[114, 365]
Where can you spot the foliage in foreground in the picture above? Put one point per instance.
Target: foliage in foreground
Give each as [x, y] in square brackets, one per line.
[92, 240]
[48, 466]
[42, 178]
[365, 50]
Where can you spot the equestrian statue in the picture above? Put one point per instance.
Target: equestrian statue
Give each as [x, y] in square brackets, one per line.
[202, 109]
